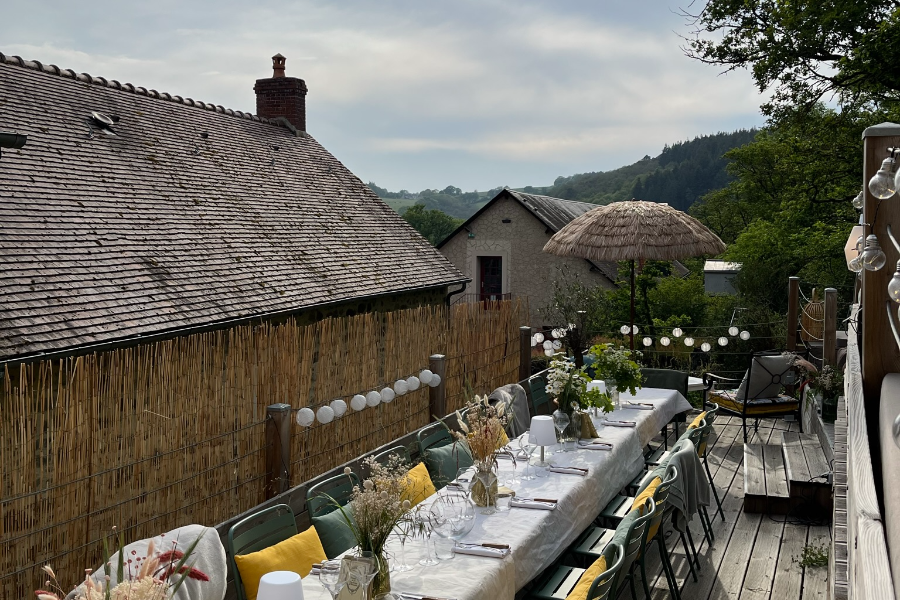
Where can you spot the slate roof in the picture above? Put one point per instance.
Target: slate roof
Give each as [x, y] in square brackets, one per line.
[554, 213]
[159, 228]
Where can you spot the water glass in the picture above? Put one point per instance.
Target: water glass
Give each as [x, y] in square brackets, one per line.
[503, 500]
[330, 577]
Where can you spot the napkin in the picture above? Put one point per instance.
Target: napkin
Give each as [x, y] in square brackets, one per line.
[572, 470]
[481, 550]
[619, 423]
[532, 503]
[595, 446]
[639, 405]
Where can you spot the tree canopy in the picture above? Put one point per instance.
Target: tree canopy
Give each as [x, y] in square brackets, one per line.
[433, 224]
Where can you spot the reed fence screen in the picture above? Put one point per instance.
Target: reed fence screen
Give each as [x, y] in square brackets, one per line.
[173, 432]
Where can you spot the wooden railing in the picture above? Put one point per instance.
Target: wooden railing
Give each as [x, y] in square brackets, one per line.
[858, 566]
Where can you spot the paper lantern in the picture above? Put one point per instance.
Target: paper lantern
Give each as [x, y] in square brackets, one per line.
[413, 382]
[732, 331]
[705, 347]
[325, 414]
[425, 376]
[549, 352]
[373, 398]
[305, 417]
[548, 345]
[677, 332]
[435, 380]
[624, 329]
[539, 337]
[358, 402]
[387, 395]
[665, 341]
[400, 387]
[647, 342]
[339, 407]
[534, 341]
[557, 333]
[688, 341]
[723, 341]
[634, 329]
[557, 344]
[745, 335]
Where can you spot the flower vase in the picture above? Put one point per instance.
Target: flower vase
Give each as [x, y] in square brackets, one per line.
[485, 479]
[380, 587]
[613, 393]
[572, 432]
[829, 408]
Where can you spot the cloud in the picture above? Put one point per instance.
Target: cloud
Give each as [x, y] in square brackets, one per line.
[535, 89]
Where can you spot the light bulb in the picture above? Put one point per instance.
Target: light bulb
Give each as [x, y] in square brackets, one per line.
[665, 341]
[705, 347]
[732, 331]
[860, 244]
[647, 341]
[855, 264]
[882, 184]
[858, 201]
[723, 341]
[745, 335]
[873, 256]
[624, 329]
[894, 285]
[688, 341]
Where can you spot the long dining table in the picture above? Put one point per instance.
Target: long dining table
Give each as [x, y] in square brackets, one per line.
[537, 537]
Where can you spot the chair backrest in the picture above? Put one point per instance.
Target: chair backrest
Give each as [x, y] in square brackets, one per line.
[256, 532]
[634, 535]
[516, 401]
[603, 583]
[433, 436]
[321, 497]
[660, 496]
[401, 452]
[666, 379]
[706, 429]
[540, 400]
[768, 372]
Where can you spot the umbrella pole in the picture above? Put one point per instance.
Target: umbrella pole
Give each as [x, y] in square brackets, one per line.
[631, 331]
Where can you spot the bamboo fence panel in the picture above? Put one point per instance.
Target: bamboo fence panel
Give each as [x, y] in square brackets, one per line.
[156, 436]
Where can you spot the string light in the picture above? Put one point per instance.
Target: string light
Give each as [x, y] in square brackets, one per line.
[732, 331]
[745, 335]
[647, 342]
[723, 341]
[688, 341]
[883, 185]
[665, 341]
[705, 347]
[677, 332]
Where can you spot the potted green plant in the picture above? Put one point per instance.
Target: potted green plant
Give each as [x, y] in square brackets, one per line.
[618, 368]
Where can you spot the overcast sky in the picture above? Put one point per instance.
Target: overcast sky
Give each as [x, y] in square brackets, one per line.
[419, 94]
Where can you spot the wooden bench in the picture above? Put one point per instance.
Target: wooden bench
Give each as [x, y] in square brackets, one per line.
[807, 472]
[765, 482]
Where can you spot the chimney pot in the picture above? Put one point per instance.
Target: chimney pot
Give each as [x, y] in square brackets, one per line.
[281, 96]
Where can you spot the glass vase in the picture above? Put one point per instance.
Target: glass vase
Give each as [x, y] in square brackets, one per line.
[484, 490]
[572, 432]
[829, 409]
[613, 393]
[380, 587]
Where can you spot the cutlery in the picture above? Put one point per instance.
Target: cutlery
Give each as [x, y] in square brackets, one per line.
[409, 596]
[644, 405]
[484, 545]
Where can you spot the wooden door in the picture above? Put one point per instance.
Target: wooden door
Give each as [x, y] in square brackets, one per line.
[490, 277]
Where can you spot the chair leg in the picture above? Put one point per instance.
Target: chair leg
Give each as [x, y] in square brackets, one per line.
[744, 427]
[631, 587]
[713, 486]
[667, 567]
[687, 556]
[693, 549]
[710, 536]
[644, 576]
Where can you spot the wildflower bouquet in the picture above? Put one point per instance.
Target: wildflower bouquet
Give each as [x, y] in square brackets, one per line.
[618, 365]
[483, 431]
[155, 576]
[566, 383]
[829, 382]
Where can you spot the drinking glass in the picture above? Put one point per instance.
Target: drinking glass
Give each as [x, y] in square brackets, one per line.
[404, 528]
[441, 515]
[364, 578]
[503, 500]
[423, 523]
[560, 422]
[527, 449]
[330, 577]
[513, 480]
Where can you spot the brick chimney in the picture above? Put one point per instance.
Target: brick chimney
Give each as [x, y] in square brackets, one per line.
[281, 96]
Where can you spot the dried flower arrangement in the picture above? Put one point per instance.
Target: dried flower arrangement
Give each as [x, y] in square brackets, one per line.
[482, 430]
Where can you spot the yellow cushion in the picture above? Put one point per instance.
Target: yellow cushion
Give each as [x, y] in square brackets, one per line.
[504, 440]
[297, 554]
[757, 408]
[697, 421]
[581, 589]
[418, 484]
[641, 499]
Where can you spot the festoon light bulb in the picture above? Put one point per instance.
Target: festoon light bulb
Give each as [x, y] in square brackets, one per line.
[873, 256]
[882, 184]
[855, 264]
[894, 285]
[858, 201]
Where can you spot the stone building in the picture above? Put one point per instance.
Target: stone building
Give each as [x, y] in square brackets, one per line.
[500, 248]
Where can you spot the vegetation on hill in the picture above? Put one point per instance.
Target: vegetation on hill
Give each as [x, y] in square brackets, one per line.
[433, 224]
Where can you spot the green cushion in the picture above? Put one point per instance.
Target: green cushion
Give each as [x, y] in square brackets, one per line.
[335, 535]
[444, 462]
[621, 535]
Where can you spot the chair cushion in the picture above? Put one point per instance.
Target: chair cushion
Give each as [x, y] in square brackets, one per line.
[581, 589]
[728, 400]
[335, 535]
[697, 421]
[417, 485]
[444, 462]
[641, 499]
[296, 554]
[621, 535]
[758, 382]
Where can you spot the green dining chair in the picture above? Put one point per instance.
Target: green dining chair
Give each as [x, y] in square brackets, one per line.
[703, 452]
[322, 500]
[667, 379]
[541, 402]
[654, 534]
[561, 581]
[401, 452]
[442, 456]
[260, 530]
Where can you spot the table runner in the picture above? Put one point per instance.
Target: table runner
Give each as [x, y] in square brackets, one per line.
[538, 537]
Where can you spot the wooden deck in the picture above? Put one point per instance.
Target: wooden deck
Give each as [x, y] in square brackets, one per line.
[754, 557]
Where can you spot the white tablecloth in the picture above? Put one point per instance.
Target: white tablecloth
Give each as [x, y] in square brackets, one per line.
[538, 537]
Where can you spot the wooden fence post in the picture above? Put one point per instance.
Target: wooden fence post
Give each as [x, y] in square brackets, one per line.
[437, 396]
[829, 343]
[793, 306]
[278, 449]
[524, 352]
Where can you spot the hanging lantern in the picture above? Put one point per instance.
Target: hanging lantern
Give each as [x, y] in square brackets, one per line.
[401, 387]
[325, 414]
[665, 341]
[425, 376]
[705, 346]
[677, 332]
[388, 394]
[723, 341]
[412, 382]
[647, 342]
[358, 402]
[373, 398]
[745, 335]
[339, 407]
[732, 331]
[305, 417]
[435, 380]
[688, 341]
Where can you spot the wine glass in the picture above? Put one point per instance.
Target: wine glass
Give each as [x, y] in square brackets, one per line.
[330, 577]
[364, 578]
[527, 449]
[560, 422]
[423, 523]
[404, 528]
[441, 515]
[512, 480]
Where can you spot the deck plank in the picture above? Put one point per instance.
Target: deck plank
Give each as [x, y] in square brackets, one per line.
[763, 560]
[778, 500]
[788, 581]
[815, 579]
[754, 479]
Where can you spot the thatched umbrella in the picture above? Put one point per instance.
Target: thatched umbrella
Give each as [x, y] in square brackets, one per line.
[634, 230]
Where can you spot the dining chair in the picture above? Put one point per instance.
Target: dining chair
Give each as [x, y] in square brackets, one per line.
[667, 379]
[401, 452]
[629, 533]
[564, 579]
[654, 534]
[541, 402]
[256, 532]
[442, 456]
[322, 502]
[703, 452]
